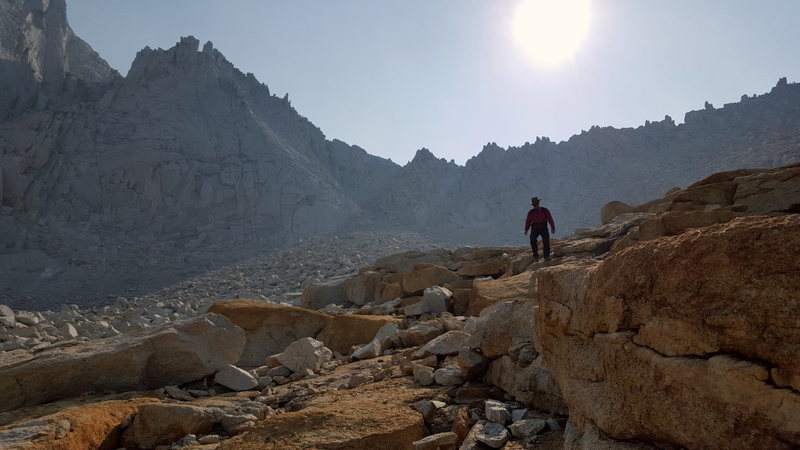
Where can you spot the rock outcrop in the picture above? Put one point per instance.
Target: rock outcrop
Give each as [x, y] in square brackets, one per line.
[680, 340]
[172, 354]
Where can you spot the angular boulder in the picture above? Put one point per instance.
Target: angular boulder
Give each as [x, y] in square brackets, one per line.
[167, 355]
[487, 293]
[305, 354]
[269, 327]
[161, 424]
[235, 378]
[505, 325]
[426, 275]
[323, 293]
[346, 330]
[448, 344]
[362, 288]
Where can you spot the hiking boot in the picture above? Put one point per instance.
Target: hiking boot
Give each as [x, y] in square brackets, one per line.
[535, 258]
[547, 258]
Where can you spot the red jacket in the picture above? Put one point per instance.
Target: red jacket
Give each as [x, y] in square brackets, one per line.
[539, 218]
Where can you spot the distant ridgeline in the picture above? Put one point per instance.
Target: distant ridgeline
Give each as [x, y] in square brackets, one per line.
[187, 148]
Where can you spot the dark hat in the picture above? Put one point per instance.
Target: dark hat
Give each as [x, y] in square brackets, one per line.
[534, 201]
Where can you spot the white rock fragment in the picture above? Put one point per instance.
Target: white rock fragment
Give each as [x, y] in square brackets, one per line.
[497, 412]
[305, 353]
[449, 376]
[437, 441]
[436, 298]
[525, 429]
[27, 319]
[494, 435]
[7, 317]
[68, 331]
[447, 344]
[235, 378]
[423, 375]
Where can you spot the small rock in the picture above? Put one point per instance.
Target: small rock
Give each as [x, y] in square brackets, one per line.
[423, 375]
[359, 379]
[264, 382]
[186, 441]
[436, 298]
[235, 424]
[437, 441]
[235, 378]
[273, 361]
[178, 393]
[371, 350]
[428, 408]
[305, 353]
[208, 439]
[430, 361]
[447, 344]
[280, 371]
[471, 440]
[449, 376]
[518, 414]
[493, 434]
[525, 429]
[497, 412]
[7, 317]
[68, 331]
[27, 319]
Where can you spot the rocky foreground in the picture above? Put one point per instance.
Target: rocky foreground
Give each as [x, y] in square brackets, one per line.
[673, 325]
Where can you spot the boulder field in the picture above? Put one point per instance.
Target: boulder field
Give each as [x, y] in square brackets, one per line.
[673, 325]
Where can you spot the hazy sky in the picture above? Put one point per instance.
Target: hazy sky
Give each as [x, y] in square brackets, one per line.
[395, 76]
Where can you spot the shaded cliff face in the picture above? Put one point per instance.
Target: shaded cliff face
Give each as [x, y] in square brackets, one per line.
[185, 144]
[44, 65]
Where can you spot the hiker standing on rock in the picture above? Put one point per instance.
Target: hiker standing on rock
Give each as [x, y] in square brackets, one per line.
[537, 221]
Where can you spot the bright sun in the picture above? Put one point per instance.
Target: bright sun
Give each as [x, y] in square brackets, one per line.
[550, 31]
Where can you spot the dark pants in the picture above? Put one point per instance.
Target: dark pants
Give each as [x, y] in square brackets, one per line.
[535, 233]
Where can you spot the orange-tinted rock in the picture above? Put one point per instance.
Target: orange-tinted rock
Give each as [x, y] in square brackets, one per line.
[346, 330]
[72, 427]
[612, 209]
[426, 275]
[676, 339]
[269, 327]
[487, 293]
[374, 416]
[486, 268]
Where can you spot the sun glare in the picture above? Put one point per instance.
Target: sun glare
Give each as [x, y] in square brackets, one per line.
[551, 31]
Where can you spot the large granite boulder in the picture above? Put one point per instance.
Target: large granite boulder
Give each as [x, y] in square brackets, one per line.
[683, 339]
[270, 327]
[168, 355]
[424, 276]
[346, 330]
[487, 293]
[323, 293]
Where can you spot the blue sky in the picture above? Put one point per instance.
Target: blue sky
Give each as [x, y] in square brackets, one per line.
[393, 77]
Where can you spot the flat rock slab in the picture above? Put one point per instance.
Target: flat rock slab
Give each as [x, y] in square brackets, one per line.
[373, 416]
[168, 355]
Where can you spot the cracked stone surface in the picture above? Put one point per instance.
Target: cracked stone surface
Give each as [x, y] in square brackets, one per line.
[677, 339]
